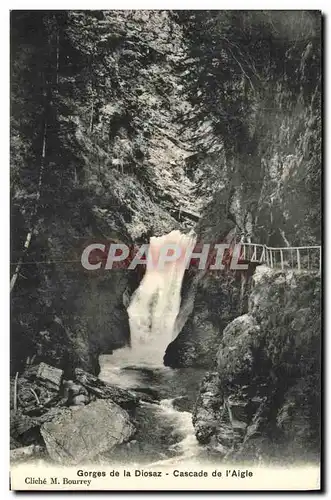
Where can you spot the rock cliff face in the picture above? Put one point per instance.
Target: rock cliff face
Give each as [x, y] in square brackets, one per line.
[259, 158]
[134, 123]
[114, 170]
[262, 398]
[130, 124]
[215, 299]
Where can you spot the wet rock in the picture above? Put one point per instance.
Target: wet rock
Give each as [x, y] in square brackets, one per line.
[124, 398]
[79, 434]
[182, 403]
[147, 394]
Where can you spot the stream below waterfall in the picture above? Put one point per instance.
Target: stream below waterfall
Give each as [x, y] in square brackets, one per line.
[165, 433]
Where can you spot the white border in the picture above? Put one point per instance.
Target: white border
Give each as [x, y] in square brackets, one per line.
[171, 5]
[4, 183]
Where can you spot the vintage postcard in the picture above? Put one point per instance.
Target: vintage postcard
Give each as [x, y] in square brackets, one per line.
[166, 250]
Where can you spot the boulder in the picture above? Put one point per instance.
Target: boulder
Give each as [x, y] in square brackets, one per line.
[78, 434]
[195, 345]
[209, 303]
[236, 354]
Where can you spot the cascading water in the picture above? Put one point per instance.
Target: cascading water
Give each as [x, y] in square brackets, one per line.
[152, 315]
[155, 304]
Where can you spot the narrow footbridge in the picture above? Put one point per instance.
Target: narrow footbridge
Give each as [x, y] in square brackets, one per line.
[299, 258]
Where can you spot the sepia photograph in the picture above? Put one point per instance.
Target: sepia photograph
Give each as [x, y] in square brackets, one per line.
[166, 250]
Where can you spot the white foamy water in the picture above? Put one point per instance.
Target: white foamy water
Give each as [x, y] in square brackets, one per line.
[152, 311]
[173, 430]
[155, 304]
[188, 446]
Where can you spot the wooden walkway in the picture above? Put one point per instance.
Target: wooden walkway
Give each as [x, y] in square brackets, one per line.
[299, 258]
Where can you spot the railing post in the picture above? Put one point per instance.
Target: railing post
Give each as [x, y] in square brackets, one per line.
[281, 259]
[268, 256]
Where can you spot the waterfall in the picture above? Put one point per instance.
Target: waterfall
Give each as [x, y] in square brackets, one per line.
[155, 304]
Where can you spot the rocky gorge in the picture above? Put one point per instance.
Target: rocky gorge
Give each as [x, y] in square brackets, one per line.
[261, 401]
[131, 124]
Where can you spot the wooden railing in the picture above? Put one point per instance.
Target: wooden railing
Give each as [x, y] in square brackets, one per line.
[300, 258]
